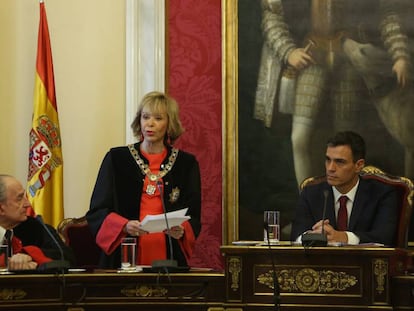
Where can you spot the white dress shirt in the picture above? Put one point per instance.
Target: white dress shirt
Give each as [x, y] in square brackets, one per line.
[353, 239]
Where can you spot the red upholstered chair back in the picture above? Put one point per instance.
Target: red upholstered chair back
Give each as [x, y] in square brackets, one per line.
[76, 234]
[405, 190]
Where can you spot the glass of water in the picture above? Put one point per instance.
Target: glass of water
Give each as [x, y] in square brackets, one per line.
[128, 248]
[271, 227]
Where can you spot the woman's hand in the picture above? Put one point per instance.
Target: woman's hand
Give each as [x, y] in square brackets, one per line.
[132, 228]
[176, 232]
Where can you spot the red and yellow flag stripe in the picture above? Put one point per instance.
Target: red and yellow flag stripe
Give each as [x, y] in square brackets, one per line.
[45, 176]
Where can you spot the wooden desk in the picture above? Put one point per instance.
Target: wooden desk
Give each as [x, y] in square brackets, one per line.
[403, 292]
[112, 291]
[332, 278]
[320, 278]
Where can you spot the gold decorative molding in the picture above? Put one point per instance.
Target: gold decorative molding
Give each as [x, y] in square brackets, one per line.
[377, 171]
[230, 117]
[234, 271]
[145, 291]
[380, 267]
[12, 294]
[309, 280]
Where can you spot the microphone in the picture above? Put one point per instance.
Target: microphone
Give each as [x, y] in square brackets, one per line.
[54, 265]
[317, 239]
[276, 286]
[166, 265]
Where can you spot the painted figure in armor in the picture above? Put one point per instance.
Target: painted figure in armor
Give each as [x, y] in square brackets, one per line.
[328, 56]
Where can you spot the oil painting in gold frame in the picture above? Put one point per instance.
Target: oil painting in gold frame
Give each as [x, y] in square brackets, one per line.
[258, 175]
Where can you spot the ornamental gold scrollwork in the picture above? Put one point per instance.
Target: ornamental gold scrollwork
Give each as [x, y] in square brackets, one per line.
[372, 170]
[12, 294]
[234, 270]
[380, 272]
[145, 291]
[309, 280]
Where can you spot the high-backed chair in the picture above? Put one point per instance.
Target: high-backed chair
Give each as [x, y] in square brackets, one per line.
[405, 190]
[76, 234]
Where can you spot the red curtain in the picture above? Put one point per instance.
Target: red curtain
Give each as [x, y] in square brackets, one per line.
[194, 79]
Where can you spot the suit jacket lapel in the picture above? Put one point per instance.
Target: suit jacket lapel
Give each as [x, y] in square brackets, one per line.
[359, 203]
[330, 210]
[330, 205]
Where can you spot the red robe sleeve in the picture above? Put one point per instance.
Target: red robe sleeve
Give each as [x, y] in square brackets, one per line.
[187, 242]
[36, 253]
[33, 251]
[111, 232]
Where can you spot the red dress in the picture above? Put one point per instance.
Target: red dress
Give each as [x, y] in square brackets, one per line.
[151, 246]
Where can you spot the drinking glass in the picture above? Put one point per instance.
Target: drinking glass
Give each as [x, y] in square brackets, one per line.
[272, 227]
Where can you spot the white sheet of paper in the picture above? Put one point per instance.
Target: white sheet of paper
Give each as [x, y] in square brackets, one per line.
[156, 223]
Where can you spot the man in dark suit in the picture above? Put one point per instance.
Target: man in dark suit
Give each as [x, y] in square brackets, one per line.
[368, 213]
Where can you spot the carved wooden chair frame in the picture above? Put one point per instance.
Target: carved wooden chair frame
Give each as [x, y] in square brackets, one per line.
[406, 193]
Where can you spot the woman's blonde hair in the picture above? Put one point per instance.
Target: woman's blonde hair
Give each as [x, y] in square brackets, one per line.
[156, 102]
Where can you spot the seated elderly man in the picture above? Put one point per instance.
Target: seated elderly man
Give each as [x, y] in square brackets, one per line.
[30, 245]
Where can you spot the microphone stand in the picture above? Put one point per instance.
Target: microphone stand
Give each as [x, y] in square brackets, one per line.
[276, 286]
[166, 265]
[55, 265]
[61, 265]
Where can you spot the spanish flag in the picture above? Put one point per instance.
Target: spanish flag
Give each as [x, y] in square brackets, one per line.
[45, 175]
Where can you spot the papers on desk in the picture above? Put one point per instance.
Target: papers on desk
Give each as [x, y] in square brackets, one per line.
[246, 243]
[156, 223]
[356, 245]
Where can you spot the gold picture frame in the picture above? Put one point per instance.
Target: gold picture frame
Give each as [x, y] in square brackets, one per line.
[230, 118]
[230, 121]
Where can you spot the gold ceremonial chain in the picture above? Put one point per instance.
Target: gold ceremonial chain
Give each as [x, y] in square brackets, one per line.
[145, 168]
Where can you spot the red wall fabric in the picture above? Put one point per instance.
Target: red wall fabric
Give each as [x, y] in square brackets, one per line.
[194, 79]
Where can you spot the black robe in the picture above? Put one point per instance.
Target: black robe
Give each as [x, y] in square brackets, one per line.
[119, 186]
[31, 232]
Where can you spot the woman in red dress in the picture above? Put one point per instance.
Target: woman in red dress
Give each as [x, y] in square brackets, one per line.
[135, 180]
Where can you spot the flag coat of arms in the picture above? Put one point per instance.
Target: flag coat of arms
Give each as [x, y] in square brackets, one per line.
[45, 174]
